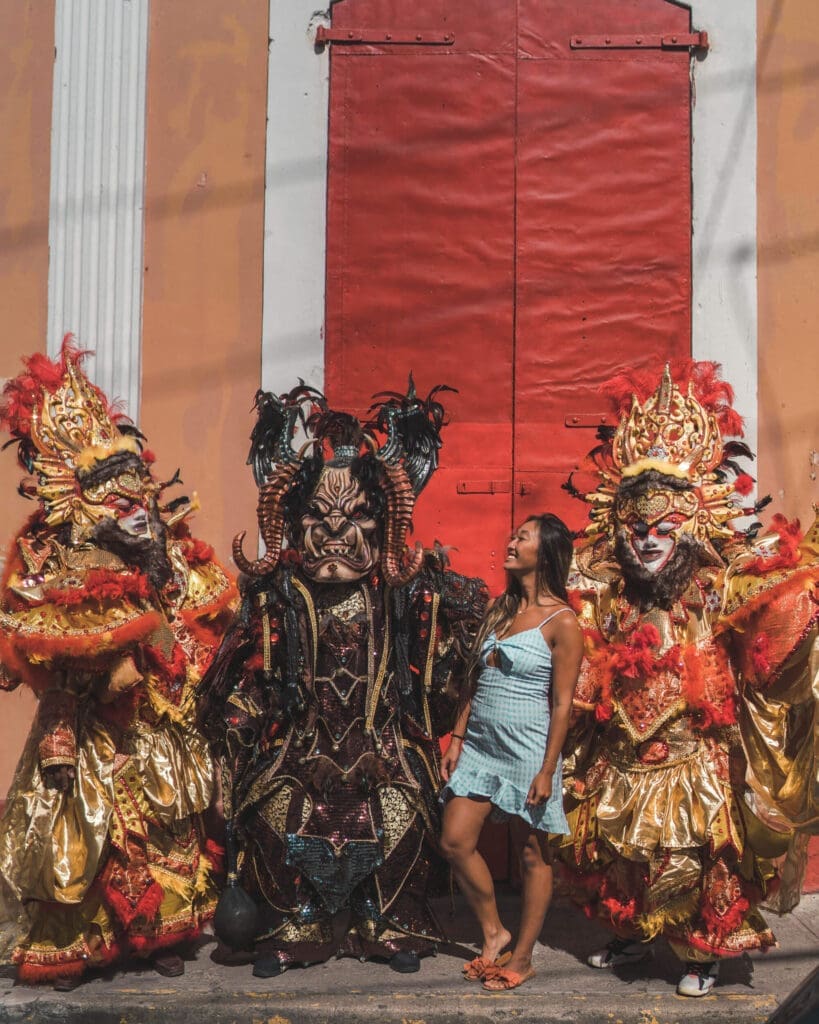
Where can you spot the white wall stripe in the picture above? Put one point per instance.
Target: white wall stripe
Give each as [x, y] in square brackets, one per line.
[295, 198]
[97, 187]
[724, 304]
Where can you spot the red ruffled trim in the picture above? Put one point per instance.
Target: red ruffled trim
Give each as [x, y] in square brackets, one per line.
[787, 555]
[29, 973]
[99, 585]
[17, 650]
[34, 972]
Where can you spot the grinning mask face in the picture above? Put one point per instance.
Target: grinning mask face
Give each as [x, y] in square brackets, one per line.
[340, 540]
[651, 521]
[125, 497]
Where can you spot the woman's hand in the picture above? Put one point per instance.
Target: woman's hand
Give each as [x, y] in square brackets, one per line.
[450, 758]
[541, 788]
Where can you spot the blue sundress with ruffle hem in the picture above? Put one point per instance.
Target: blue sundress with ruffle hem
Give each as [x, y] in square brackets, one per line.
[507, 731]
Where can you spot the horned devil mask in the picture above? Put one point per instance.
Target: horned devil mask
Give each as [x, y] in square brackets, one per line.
[344, 500]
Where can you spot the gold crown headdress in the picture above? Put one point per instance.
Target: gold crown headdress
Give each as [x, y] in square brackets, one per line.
[676, 431]
[64, 428]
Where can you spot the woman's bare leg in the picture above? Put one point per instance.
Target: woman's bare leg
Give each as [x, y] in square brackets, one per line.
[463, 820]
[537, 878]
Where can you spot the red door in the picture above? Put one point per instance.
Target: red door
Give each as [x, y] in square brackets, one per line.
[509, 213]
[421, 246]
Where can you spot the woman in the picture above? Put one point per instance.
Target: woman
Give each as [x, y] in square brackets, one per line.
[504, 756]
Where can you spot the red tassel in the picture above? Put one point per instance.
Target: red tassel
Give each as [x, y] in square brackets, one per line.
[215, 853]
[720, 925]
[787, 554]
[760, 654]
[147, 907]
[744, 483]
[620, 913]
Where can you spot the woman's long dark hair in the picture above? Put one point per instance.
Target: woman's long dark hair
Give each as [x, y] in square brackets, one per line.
[554, 559]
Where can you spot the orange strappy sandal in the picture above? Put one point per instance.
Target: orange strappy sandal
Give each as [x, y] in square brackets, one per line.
[504, 981]
[482, 967]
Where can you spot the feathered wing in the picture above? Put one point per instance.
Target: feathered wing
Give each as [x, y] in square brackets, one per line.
[413, 428]
[772, 613]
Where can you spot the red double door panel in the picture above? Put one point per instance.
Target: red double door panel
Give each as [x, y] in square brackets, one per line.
[511, 215]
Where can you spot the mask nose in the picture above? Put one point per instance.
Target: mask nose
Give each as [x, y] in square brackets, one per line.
[335, 521]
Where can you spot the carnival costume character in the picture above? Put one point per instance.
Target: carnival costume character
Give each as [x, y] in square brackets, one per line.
[695, 767]
[336, 682]
[110, 611]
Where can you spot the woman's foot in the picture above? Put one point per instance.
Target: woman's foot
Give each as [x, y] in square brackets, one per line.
[505, 979]
[493, 946]
[480, 968]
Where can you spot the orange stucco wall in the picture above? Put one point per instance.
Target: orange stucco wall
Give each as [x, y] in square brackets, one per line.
[204, 223]
[26, 63]
[788, 250]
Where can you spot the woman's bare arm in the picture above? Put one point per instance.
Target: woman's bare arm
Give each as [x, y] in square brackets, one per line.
[567, 654]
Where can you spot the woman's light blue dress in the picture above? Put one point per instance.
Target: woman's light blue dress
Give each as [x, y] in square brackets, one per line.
[507, 731]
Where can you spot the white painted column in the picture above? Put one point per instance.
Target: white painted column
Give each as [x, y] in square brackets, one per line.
[97, 188]
[295, 198]
[724, 307]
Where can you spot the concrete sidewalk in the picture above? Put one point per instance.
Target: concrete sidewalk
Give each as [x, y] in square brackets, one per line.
[565, 990]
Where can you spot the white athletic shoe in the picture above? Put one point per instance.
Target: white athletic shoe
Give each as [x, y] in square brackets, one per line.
[698, 979]
[618, 952]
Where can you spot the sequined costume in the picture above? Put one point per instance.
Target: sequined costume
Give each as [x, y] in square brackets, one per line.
[693, 763]
[334, 685]
[110, 611]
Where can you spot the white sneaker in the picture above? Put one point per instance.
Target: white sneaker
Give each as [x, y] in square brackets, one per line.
[698, 979]
[617, 952]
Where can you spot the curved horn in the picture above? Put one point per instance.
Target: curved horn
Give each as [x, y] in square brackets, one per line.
[400, 504]
[271, 523]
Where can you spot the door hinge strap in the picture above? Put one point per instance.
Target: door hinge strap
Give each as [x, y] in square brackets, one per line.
[484, 487]
[384, 37]
[647, 41]
[590, 419]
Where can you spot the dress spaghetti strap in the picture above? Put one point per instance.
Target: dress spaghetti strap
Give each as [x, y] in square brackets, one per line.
[550, 617]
